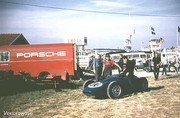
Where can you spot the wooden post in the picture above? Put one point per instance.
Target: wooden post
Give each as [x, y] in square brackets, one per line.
[55, 83]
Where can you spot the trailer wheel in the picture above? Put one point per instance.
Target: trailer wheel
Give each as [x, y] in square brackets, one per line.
[26, 76]
[43, 74]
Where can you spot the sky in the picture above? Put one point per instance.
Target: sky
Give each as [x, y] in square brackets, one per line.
[105, 23]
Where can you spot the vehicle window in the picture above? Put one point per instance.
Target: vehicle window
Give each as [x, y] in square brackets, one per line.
[129, 56]
[148, 56]
[143, 56]
[139, 61]
[135, 56]
[4, 56]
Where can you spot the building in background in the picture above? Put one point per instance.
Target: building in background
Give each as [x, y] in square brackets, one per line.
[127, 42]
[81, 53]
[154, 45]
[127, 45]
[13, 39]
[80, 42]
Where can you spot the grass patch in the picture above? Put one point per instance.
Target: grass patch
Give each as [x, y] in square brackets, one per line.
[162, 100]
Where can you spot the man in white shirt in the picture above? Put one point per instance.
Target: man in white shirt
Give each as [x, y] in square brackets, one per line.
[164, 61]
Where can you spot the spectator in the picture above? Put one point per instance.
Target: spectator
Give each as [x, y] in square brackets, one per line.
[164, 64]
[176, 64]
[156, 62]
[121, 61]
[145, 62]
[130, 65]
[107, 66]
[98, 67]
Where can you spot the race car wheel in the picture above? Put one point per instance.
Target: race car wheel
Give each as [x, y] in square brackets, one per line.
[86, 83]
[114, 90]
[144, 84]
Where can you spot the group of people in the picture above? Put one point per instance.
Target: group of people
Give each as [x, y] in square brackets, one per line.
[157, 62]
[104, 68]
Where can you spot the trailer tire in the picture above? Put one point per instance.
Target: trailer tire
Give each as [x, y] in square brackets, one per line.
[43, 74]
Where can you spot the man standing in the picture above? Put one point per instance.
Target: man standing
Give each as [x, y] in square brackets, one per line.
[121, 61]
[98, 67]
[164, 63]
[130, 65]
[156, 62]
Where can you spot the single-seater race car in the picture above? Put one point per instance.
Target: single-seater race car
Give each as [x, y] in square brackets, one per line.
[114, 86]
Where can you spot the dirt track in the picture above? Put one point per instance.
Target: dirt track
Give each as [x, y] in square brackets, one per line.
[161, 101]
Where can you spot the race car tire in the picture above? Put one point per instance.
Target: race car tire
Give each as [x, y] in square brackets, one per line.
[144, 84]
[86, 83]
[114, 90]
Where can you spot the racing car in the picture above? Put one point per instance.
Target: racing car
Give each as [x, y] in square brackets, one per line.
[114, 86]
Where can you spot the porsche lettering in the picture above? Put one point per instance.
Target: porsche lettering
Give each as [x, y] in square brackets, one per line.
[41, 54]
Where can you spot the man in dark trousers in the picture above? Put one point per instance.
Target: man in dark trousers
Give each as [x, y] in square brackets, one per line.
[130, 65]
[156, 62]
[98, 67]
[121, 61]
[164, 62]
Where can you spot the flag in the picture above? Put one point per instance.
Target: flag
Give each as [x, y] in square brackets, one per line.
[178, 29]
[153, 31]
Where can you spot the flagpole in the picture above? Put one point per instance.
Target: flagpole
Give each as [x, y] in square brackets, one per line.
[150, 33]
[177, 36]
[150, 39]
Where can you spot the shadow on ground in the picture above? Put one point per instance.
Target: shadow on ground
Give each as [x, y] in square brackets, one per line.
[12, 87]
[156, 88]
[132, 93]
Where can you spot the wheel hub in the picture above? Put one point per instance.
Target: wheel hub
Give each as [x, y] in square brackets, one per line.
[116, 91]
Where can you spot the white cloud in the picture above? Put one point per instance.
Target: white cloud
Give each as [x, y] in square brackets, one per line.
[110, 4]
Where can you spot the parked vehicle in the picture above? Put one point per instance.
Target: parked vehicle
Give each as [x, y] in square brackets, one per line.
[114, 86]
[45, 62]
[138, 56]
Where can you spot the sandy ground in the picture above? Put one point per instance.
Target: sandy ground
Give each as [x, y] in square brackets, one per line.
[161, 101]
